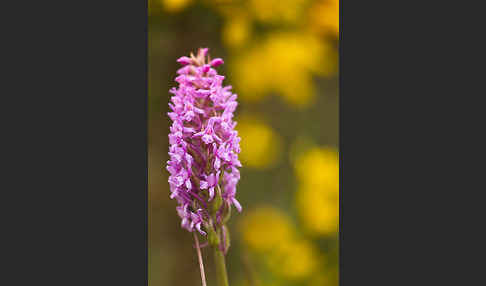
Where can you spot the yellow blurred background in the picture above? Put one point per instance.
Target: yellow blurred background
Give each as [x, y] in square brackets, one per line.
[281, 56]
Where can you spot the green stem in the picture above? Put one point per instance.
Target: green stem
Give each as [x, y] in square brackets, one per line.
[219, 262]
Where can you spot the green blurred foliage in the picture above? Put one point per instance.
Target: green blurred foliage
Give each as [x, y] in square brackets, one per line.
[281, 58]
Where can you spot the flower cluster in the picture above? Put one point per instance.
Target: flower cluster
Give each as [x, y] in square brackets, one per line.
[204, 145]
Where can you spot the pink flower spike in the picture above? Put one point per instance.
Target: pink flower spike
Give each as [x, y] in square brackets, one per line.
[204, 146]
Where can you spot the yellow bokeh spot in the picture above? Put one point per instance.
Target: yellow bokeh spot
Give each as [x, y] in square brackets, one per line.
[324, 16]
[318, 166]
[284, 63]
[319, 211]
[175, 5]
[266, 228]
[260, 145]
[317, 197]
[295, 260]
[269, 232]
[236, 31]
[278, 10]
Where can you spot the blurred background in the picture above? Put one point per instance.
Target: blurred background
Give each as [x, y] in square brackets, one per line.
[281, 57]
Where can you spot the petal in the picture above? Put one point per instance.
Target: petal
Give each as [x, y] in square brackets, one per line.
[216, 62]
[207, 139]
[203, 185]
[217, 163]
[237, 205]
[203, 51]
[211, 179]
[184, 60]
[211, 193]
[198, 227]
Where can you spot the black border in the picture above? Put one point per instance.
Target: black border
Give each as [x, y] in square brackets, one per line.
[76, 155]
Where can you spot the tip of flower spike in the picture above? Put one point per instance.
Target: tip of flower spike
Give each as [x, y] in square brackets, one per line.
[216, 62]
[203, 51]
[184, 60]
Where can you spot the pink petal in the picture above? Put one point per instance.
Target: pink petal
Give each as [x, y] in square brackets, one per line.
[237, 205]
[184, 60]
[216, 62]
